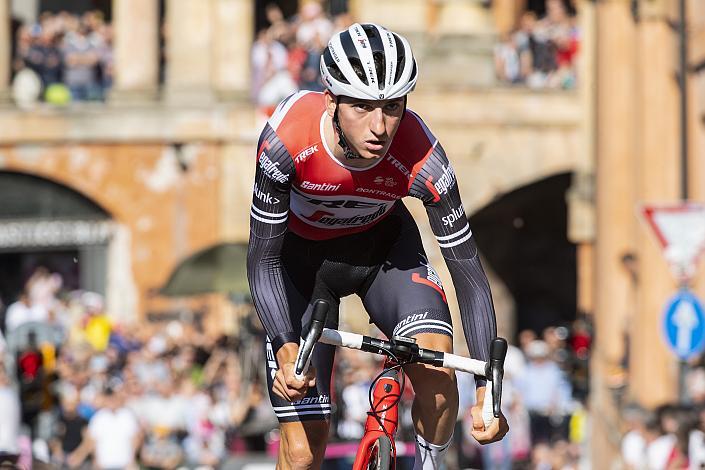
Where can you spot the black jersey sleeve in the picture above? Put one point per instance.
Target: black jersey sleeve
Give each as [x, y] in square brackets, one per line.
[436, 185]
[268, 224]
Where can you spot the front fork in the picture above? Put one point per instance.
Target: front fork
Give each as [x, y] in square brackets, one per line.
[385, 400]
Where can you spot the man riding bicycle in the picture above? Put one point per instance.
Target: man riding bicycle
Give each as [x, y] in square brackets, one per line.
[327, 221]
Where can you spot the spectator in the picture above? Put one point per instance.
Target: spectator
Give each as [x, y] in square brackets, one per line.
[546, 395]
[113, 435]
[80, 62]
[70, 429]
[271, 81]
[633, 445]
[540, 53]
[10, 424]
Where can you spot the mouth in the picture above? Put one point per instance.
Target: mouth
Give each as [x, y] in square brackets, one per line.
[374, 145]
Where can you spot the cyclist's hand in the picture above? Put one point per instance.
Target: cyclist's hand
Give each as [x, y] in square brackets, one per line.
[497, 428]
[288, 387]
[285, 383]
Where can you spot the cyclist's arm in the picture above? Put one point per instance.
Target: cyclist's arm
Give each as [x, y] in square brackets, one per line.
[435, 184]
[268, 225]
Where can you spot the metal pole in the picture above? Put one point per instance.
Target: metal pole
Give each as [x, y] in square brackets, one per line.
[683, 83]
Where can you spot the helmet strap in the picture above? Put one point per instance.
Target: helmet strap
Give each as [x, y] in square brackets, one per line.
[342, 141]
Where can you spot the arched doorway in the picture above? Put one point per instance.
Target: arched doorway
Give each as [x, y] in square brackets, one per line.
[523, 237]
[43, 223]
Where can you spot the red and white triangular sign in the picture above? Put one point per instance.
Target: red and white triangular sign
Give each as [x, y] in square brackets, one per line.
[680, 228]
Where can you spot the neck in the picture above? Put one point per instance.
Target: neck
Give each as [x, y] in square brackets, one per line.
[338, 152]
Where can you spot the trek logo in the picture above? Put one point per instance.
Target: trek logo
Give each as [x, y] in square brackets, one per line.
[264, 197]
[320, 186]
[305, 153]
[444, 183]
[269, 167]
[388, 182]
[398, 165]
[319, 400]
[454, 216]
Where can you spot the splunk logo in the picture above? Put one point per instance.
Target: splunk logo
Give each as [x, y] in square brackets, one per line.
[454, 216]
[264, 197]
[270, 168]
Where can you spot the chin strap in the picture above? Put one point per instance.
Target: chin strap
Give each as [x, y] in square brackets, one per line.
[347, 151]
[342, 141]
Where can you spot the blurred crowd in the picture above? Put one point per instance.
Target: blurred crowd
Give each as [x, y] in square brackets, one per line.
[80, 390]
[670, 436]
[64, 57]
[542, 52]
[286, 54]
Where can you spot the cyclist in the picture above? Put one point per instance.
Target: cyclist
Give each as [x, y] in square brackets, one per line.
[327, 221]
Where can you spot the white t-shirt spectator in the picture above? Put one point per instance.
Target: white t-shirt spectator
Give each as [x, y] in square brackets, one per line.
[114, 435]
[20, 313]
[659, 450]
[696, 449]
[10, 421]
[634, 450]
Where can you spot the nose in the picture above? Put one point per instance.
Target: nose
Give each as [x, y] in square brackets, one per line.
[377, 125]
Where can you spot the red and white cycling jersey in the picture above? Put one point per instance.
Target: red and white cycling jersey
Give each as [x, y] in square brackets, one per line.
[329, 198]
[301, 187]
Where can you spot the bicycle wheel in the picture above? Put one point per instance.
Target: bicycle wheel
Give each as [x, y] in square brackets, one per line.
[380, 455]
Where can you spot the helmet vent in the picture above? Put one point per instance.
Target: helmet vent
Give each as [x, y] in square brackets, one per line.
[359, 70]
[401, 58]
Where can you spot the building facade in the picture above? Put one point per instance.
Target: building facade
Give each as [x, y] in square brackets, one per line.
[164, 169]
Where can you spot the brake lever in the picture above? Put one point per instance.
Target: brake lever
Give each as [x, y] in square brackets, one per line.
[318, 321]
[498, 352]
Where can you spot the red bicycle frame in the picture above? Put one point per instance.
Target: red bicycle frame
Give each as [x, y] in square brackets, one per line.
[383, 418]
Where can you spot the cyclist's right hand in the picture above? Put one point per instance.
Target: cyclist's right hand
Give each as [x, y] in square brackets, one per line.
[285, 383]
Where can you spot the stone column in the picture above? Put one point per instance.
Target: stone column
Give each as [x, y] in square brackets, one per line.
[232, 41]
[506, 13]
[136, 29]
[189, 47]
[653, 369]
[614, 211]
[5, 52]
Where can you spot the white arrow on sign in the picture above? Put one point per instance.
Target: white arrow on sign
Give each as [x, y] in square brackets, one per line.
[686, 320]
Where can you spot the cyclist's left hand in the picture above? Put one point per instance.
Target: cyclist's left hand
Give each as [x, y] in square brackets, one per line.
[497, 429]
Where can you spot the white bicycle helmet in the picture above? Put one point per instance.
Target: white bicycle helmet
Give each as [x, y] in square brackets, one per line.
[367, 61]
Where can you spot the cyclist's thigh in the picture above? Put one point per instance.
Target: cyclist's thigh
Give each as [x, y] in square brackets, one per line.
[406, 296]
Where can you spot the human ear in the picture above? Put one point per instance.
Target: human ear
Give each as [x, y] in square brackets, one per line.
[330, 103]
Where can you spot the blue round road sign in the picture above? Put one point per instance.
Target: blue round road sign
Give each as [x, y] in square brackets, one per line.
[684, 325]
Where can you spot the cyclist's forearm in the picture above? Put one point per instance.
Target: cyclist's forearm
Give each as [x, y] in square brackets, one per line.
[266, 278]
[475, 302]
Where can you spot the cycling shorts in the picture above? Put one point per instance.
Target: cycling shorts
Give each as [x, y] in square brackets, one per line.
[387, 267]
